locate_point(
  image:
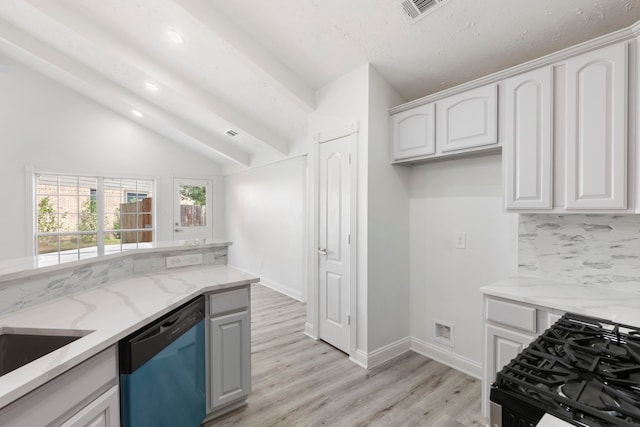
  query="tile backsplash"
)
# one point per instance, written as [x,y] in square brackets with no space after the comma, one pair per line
[602,250]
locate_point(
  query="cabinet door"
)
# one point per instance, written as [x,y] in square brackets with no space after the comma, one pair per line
[230,358]
[467,120]
[501,346]
[528,141]
[414,132]
[102,412]
[596,129]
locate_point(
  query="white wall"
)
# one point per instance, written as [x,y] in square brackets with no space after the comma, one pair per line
[446,197]
[388,224]
[50,128]
[266,221]
[340,104]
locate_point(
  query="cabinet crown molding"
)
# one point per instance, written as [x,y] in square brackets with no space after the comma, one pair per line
[624,34]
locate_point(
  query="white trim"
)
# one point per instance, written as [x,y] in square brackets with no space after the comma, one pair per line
[330,135]
[360,358]
[31,209]
[388,352]
[279,287]
[308,331]
[624,34]
[447,357]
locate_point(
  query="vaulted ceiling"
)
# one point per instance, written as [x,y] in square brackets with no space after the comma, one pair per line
[254,66]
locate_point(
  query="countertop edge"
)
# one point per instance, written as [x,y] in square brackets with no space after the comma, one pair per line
[71,356]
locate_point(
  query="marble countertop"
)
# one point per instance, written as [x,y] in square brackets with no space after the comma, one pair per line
[24,267]
[612,304]
[111,313]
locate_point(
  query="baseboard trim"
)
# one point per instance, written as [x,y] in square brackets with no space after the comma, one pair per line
[283,289]
[277,286]
[388,352]
[308,331]
[360,358]
[447,357]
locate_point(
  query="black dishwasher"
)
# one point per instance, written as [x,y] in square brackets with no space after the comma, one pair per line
[162,370]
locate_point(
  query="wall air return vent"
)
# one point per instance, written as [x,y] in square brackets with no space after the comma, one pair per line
[418,8]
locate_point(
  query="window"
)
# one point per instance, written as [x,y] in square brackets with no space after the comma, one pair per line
[80,216]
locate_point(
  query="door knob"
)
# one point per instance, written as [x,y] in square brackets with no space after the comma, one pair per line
[322,251]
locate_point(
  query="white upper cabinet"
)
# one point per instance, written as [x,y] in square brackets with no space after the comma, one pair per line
[467,120]
[414,132]
[527,154]
[596,167]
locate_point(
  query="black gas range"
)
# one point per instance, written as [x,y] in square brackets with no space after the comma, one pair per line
[583,370]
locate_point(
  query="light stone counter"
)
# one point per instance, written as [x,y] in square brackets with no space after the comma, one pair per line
[607,303]
[111,312]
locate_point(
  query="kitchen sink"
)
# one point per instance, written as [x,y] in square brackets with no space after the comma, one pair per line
[19,347]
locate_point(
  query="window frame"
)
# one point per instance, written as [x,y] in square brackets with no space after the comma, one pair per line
[97,194]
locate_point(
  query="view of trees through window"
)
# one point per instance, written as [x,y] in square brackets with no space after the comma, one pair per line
[80,217]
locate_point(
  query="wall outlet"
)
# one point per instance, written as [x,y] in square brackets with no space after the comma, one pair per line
[184,260]
[460,240]
[444,332]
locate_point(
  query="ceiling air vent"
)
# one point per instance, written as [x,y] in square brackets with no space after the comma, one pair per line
[231,132]
[417,8]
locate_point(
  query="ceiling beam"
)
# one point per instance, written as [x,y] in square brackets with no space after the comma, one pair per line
[117,49]
[25,48]
[254,53]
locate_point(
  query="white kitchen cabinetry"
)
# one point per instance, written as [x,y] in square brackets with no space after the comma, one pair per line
[102,412]
[597,129]
[230,350]
[528,149]
[467,120]
[450,127]
[509,327]
[86,395]
[566,144]
[414,133]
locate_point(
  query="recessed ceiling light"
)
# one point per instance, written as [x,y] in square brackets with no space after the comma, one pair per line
[175,36]
[136,113]
[151,87]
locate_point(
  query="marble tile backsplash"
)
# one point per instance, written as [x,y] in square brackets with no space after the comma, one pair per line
[24,292]
[602,250]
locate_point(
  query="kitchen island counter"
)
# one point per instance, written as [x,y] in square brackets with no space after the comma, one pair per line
[109,313]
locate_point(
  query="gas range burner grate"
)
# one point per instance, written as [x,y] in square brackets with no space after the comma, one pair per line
[584,370]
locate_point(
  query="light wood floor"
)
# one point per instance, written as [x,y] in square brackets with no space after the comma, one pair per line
[297,381]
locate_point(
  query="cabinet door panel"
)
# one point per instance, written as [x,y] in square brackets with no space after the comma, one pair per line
[414,132]
[467,120]
[230,358]
[596,129]
[528,143]
[102,412]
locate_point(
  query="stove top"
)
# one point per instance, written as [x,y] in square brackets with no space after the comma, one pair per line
[583,370]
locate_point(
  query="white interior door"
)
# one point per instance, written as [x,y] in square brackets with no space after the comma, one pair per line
[334,267]
[192,209]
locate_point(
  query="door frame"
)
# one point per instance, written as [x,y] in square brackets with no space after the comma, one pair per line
[313,312]
[210,203]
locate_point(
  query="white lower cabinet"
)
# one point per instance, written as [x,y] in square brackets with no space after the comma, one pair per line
[75,398]
[229,350]
[102,412]
[509,327]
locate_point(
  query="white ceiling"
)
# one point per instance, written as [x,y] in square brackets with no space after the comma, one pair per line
[254,66]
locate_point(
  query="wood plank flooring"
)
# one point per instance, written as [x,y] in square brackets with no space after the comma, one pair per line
[297,381]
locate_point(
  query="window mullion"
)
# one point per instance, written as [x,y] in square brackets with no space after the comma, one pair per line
[100,216]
